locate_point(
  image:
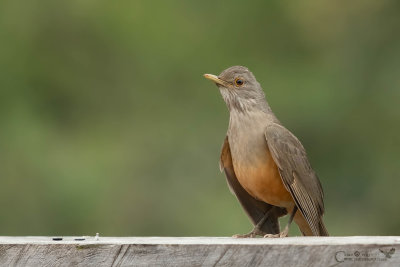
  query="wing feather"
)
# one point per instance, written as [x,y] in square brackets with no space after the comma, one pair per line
[297,175]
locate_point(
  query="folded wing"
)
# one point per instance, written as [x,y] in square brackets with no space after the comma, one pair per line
[297,175]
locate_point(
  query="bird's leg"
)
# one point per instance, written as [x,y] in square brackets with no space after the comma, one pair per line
[256,230]
[285,232]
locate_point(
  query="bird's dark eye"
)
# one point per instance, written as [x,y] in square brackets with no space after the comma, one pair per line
[239,81]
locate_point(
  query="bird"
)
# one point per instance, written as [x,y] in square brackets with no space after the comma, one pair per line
[265,165]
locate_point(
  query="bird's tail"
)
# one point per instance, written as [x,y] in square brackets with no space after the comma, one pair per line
[322,229]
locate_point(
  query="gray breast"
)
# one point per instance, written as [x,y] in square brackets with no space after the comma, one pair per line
[246,136]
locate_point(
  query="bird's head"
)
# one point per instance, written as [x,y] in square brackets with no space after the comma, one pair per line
[240,89]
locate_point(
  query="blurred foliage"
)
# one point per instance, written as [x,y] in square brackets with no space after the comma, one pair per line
[107,124]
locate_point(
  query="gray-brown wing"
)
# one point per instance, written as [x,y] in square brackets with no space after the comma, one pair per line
[297,175]
[254,208]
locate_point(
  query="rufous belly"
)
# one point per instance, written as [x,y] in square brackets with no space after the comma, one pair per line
[262,180]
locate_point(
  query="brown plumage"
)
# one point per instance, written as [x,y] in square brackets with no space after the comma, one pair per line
[265,164]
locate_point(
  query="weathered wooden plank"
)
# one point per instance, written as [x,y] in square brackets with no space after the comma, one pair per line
[200,251]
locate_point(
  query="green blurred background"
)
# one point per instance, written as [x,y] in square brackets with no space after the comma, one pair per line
[107,124]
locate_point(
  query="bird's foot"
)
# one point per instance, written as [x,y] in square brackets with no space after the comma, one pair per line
[248,235]
[272,236]
[284,233]
[254,233]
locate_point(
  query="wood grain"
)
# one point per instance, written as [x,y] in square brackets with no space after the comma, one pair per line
[201,251]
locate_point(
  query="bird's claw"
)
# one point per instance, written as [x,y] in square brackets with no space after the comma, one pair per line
[280,235]
[254,233]
[249,235]
[284,233]
[272,236]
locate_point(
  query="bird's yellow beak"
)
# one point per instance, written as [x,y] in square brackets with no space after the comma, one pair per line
[215,79]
